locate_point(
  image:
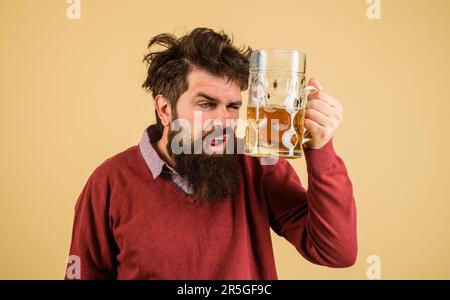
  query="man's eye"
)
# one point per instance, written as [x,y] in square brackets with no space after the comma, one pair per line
[234,106]
[206,105]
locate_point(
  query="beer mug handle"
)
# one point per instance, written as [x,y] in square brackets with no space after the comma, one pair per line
[306,135]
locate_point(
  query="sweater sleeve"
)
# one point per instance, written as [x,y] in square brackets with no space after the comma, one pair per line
[92,247]
[321,221]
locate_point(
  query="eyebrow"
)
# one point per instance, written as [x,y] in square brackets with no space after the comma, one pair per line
[210,98]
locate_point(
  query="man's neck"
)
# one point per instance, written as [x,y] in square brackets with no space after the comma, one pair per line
[161,148]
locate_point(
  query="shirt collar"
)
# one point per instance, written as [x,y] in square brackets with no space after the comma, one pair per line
[151,157]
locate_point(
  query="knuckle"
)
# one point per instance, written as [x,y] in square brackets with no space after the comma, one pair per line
[311,103]
[319,95]
[309,112]
[308,124]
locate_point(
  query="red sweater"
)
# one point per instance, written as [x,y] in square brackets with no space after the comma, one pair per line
[129,225]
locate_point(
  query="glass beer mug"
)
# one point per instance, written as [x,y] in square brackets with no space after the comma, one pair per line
[276,104]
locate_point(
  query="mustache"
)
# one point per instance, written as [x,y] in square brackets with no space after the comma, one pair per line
[218,132]
[181,141]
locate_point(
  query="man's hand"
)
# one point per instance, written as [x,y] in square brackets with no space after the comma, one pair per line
[323,116]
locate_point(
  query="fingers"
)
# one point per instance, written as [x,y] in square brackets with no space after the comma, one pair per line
[321,95]
[323,114]
[318,117]
[323,107]
[315,83]
[326,98]
[313,127]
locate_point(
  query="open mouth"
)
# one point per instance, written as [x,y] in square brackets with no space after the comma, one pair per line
[219,140]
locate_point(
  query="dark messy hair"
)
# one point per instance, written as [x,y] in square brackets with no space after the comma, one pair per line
[202,48]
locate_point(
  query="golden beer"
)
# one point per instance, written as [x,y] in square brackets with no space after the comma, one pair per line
[273,131]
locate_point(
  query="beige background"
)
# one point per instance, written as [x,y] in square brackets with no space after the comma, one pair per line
[70,97]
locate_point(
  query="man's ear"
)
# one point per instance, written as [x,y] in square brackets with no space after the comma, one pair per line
[163,109]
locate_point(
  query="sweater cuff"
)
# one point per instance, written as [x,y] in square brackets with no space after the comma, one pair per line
[320,159]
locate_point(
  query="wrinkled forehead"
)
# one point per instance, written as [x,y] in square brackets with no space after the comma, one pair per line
[220,88]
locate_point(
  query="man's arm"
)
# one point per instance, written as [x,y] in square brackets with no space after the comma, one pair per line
[321,221]
[92,240]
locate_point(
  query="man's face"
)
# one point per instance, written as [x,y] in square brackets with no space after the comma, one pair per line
[213,173]
[216,100]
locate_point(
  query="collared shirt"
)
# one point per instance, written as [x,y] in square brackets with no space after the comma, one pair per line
[157,166]
[131,222]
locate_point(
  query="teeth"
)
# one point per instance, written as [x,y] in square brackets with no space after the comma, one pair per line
[219,140]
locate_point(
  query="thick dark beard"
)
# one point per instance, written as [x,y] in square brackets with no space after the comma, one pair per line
[211,177]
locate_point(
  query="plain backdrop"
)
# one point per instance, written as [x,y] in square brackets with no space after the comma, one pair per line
[70,97]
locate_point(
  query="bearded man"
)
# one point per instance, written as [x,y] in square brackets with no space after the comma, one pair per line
[178,206]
